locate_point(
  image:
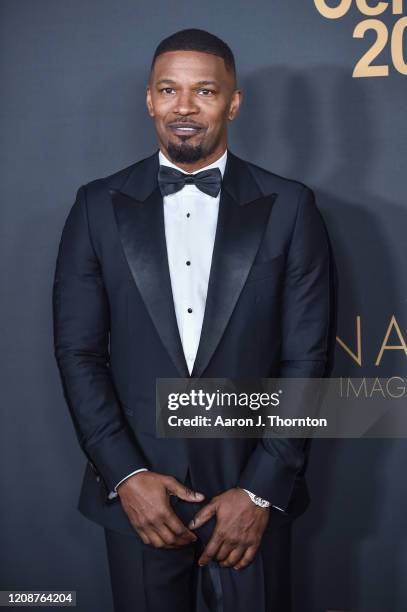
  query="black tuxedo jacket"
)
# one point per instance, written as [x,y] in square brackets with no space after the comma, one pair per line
[270,311]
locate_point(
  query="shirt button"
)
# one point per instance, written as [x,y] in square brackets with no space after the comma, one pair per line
[188,214]
[189,309]
[188,263]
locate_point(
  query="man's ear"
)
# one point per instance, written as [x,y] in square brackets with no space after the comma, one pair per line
[149,103]
[235,104]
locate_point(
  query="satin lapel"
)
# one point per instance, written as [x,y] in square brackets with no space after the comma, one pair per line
[238,235]
[142,233]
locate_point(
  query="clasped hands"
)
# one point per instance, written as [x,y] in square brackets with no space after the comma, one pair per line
[240,524]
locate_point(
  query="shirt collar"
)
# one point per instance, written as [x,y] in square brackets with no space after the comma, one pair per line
[218,163]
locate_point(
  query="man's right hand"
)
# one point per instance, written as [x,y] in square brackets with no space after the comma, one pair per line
[145,500]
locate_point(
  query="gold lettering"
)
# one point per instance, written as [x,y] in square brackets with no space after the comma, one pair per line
[358,356]
[364,68]
[397,45]
[392,347]
[397,7]
[371,10]
[333,12]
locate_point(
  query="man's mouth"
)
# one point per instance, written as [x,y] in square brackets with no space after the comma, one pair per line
[185,129]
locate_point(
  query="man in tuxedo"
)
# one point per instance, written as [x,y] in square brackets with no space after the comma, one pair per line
[190,263]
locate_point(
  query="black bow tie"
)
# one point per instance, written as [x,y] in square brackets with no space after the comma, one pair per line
[172,180]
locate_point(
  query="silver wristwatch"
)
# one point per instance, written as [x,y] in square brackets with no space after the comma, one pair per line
[263,503]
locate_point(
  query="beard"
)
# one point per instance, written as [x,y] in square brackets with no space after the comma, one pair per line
[185,153]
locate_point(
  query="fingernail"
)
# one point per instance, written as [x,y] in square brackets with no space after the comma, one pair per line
[199,495]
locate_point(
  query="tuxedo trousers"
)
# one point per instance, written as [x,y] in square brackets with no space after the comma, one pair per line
[148,579]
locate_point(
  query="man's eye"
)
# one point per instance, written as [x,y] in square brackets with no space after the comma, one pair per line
[167,89]
[207,91]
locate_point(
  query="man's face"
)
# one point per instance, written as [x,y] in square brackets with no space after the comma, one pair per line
[192,96]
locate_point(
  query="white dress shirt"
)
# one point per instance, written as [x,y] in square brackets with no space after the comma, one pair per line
[190,219]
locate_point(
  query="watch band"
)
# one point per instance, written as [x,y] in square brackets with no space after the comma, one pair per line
[257,500]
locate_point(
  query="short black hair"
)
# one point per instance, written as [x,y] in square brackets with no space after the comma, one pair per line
[194,39]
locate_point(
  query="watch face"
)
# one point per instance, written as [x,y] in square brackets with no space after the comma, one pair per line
[260,502]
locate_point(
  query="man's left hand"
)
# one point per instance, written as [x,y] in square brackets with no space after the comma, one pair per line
[240,525]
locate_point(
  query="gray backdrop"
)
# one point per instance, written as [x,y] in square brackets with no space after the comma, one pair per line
[73,78]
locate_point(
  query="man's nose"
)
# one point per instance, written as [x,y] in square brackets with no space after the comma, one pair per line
[186,104]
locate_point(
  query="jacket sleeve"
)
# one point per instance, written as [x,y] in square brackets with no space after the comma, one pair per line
[307,319]
[81,341]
